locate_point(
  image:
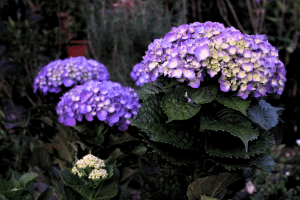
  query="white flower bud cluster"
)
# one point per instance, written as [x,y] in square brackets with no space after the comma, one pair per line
[92,162]
[98,173]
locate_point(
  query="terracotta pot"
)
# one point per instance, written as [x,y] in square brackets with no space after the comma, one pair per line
[78,48]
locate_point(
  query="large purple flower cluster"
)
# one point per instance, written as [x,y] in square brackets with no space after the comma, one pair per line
[138,74]
[107,100]
[247,63]
[68,72]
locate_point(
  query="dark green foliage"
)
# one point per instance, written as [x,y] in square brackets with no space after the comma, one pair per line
[106,190]
[176,106]
[202,186]
[163,186]
[230,137]
[17,186]
[263,114]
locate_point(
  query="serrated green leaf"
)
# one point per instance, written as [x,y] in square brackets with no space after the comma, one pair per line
[70,179]
[234,102]
[152,120]
[46,194]
[225,145]
[264,162]
[173,154]
[212,186]
[202,95]
[155,87]
[176,106]
[243,130]
[27,179]
[165,165]
[263,114]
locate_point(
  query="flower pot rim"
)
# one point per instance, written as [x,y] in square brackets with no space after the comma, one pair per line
[79,42]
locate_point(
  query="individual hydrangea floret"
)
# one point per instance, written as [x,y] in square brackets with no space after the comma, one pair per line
[68,72]
[90,161]
[138,74]
[248,64]
[108,101]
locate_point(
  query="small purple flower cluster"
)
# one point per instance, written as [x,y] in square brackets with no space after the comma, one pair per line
[70,71]
[138,74]
[247,63]
[107,100]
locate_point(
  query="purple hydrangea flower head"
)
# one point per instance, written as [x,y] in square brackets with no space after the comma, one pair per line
[248,64]
[138,74]
[68,72]
[108,101]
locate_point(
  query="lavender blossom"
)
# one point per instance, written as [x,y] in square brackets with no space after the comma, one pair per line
[107,100]
[248,64]
[68,72]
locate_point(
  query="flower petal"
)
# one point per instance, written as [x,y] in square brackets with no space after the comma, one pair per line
[202,52]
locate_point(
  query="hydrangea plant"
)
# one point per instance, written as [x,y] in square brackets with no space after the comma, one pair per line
[109,101]
[215,134]
[68,72]
[91,178]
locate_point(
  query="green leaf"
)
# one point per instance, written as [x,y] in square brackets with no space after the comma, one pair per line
[173,82]
[2,197]
[80,128]
[98,140]
[70,194]
[243,130]
[101,128]
[27,179]
[46,120]
[114,155]
[203,197]
[166,165]
[202,95]
[11,188]
[263,114]
[224,145]
[176,105]
[173,154]
[234,102]
[12,173]
[152,120]
[139,150]
[264,162]
[11,22]
[212,186]
[46,194]
[152,88]
[70,179]
[25,196]
[126,137]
